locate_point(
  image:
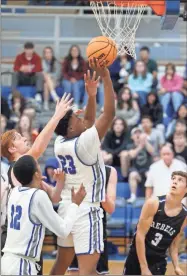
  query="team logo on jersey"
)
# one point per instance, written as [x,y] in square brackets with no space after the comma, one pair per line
[163,227]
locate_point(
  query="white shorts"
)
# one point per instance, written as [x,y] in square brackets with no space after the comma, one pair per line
[12,264]
[87,233]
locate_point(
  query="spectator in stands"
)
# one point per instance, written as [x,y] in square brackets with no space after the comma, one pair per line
[184,90]
[180,128]
[140,154]
[180,115]
[127,107]
[140,82]
[25,129]
[150,63]
[180,146]
[28,70]
[115,142]
[120,70]
[50,165]
[171,88]
[18,105]
[3,125]
[5,110]
[159,175]
[154,136]
[52,73]
[74,67]
[153,108]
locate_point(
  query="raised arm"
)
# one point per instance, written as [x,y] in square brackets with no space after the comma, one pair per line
[54,193]
[91,85]
[174,251]
[45,135]
[146,218]
[106,118]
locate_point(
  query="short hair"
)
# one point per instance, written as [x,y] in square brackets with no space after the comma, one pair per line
[62,127]
[147,117]
[24,169]
[7,139]
[180,173]
[145,48]
[29,45]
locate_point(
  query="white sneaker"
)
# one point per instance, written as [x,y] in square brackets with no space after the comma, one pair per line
[46,106]
[132,199]
[38,98]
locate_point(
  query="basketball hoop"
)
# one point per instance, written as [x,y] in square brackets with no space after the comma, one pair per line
[120,20]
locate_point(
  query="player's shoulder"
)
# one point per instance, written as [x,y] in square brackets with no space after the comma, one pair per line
[39,195]
[58,142]
[90,133]
[59,139]
[152,203]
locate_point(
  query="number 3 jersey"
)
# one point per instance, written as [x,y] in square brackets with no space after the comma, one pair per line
[162,232]
[81,160]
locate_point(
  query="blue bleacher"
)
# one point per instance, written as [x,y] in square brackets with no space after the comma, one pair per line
[26,91]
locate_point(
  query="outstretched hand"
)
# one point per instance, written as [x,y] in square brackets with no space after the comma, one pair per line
[99,67]
[63,106]
[91,83]
[59,177]
[78,197]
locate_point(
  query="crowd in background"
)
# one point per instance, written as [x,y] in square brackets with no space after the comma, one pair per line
[151,112]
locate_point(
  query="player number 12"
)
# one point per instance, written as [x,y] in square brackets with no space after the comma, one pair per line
[16,213]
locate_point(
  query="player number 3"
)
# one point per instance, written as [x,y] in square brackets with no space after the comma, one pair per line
[157,239]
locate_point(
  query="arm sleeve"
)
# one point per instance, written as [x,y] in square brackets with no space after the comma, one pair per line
[17,64]
[148,82]
[154,66]
[65,70]
[42,210]
[134,119]
[38,67]
[88,146]
[177,86]
[149,182]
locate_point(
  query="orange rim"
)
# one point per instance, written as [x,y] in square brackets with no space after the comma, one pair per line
[158,6]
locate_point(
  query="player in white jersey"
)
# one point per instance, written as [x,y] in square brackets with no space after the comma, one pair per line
[29,212]
[78,149]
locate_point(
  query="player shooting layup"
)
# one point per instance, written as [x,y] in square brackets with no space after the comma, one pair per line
[78,149]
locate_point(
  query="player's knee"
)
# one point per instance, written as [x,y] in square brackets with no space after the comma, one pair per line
[124,154]
[133,176]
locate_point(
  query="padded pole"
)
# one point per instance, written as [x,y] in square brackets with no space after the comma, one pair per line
[169,20]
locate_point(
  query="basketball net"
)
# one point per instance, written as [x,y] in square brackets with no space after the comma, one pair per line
[119,23]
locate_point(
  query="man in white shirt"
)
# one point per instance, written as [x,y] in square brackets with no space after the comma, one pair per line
[29,212]
[159,174]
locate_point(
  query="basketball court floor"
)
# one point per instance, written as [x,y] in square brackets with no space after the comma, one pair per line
[116,267]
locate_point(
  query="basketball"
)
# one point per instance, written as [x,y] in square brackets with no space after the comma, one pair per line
[102,48]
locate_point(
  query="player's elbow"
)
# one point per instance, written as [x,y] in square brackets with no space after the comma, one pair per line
[111,209]
[140,236]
